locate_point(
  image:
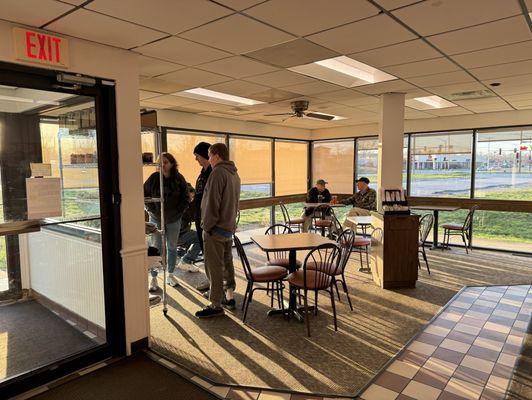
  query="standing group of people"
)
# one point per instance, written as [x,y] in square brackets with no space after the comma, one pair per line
[213,206]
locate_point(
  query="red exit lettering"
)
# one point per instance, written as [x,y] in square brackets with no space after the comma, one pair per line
[43,47]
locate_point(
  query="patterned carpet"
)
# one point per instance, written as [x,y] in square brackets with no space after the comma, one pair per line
[275,353]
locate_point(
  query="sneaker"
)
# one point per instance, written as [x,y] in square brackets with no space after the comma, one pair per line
[187,266]
[154,299]
[229,304]
[206,294]
[203,287]
[209,312]
[154,286]
[171,280]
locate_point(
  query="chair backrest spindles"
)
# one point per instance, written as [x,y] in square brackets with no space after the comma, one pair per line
[278,229]
[469,218]
[243,257]
[425,225]
[328,256]
[345,241]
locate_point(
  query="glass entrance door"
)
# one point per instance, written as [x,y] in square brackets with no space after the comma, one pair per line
[58,239]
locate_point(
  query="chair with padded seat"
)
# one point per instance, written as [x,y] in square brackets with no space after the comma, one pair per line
[269,274]
[306,279]
[463,230]
[296,223]
[279,257]
[324,220]
[425,225]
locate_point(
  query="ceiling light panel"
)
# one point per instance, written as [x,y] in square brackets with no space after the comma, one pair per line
[343,71]
[217,97]
[428,103]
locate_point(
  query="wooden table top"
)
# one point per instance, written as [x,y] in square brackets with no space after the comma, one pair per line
[323,204]
[292,241]
[360,220]
[436,208]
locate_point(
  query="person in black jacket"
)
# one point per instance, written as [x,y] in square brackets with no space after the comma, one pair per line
[175,203]
[201,152]
[318,194]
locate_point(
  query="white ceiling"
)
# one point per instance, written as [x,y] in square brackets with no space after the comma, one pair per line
[244,47]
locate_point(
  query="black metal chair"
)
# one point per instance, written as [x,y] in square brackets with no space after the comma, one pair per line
[425,225]
[321,219]
[269,274]
[291,222]
[345,241]
[306,279]
[463,230]
[281,258]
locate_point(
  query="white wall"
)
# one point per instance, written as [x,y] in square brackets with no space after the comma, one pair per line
[486,120]
[107,62]
[177,119]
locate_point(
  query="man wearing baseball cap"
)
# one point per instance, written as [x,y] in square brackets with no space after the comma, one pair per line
[363,201]
[318,194]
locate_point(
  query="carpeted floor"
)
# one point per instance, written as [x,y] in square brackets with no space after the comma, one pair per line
[135,377]
[32,336]
[272,352]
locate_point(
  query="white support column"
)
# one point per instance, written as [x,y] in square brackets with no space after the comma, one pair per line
[391,132]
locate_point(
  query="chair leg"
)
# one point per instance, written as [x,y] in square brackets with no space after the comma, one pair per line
[337,291]
[426,261]
[367,259]
[334,310]
[246,295]
[306,313]
[418,263]
[465,243]
[279,293]
[250,296]
[361,262]
[272,294]
[344,284]
[316,303]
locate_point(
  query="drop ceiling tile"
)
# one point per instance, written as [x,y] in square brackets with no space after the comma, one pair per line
[192,77]
[502,70]
[406,52]
[363,35]
[222,115]
[82,23]
[154,106]
[74,2]
[497,55]
[523,107]
[386,87]
[374,108]
[447,112]
[498,33]
[290,54]
[32,12]
[151,67]
[512,85]
[340,95]
[367,99]
[446,90]
[394,4]
[476,103]
[172,100]
[237,67]
[313,88]
[436,16]
[144,94]
[442,79]
[181,51]
[237,34]
[303,17]
[490,108]
[273,95]
[238,88]
[410,113]
[171,16]
[239,4]
[421,68]
[159,85]
[279,79]
[204,106]
[519,97]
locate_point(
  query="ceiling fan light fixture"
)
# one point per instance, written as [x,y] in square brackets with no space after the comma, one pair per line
[217,97]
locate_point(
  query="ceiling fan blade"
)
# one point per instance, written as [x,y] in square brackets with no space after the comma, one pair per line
[274,115]
[291,116]
[323,117]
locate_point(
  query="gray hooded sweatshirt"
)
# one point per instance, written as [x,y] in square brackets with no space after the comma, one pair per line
[219,206]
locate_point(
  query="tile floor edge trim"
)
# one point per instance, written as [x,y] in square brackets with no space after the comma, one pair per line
[412,339]
[156,356]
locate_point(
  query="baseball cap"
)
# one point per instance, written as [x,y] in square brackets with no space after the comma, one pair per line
[321,182]
[363,179]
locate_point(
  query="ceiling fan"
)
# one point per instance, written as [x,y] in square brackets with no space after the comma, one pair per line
[299,108]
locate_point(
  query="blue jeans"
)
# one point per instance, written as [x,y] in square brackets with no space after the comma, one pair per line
[172,238]
[187,240]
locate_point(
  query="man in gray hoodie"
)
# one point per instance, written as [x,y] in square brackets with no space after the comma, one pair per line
[219,208]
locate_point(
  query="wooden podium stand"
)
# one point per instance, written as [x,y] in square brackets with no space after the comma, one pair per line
[394,257]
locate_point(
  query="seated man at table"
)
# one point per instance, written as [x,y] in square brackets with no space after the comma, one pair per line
[363,201]
[318,194]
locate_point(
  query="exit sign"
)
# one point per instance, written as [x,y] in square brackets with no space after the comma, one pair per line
[39,47]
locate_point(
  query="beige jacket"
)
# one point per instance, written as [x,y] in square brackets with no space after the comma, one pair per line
[221,196]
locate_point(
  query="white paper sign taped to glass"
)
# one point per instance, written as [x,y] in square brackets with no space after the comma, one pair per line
[40,169]
[43,197]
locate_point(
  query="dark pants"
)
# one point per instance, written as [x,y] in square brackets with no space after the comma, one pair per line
[199,230]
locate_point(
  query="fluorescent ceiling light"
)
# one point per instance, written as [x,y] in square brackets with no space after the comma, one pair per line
[217,97]
[343,71]
[429,102]
[17,99]
[49,102]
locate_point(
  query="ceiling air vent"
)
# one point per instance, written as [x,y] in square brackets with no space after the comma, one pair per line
[469,95]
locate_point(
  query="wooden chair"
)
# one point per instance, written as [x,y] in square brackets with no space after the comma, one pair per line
[288,221]
[345,242]
[269,274]
[463,230]
[425,225]
[314,280]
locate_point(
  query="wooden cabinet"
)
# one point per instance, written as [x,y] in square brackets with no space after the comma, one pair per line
[394,253]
